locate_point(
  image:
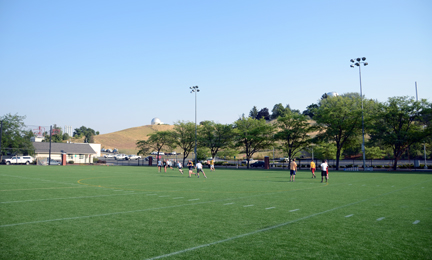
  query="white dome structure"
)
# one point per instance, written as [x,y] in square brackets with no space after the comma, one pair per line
[332,94]
[156,121]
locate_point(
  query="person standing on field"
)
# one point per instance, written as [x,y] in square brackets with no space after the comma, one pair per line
[212,168]
[312,168]
[159,165]
[180,167]
[165,165]
[199,167]
[324,167]
[293,169]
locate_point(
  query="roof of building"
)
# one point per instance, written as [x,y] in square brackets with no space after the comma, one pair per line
[68,148]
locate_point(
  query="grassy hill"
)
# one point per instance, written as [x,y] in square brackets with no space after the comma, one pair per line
[125,140]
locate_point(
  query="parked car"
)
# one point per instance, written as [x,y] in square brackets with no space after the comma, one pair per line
[155,153]
[250,161]
[132,157]
[120,156]
[19,160]
[258,164]
[108,156]
[103,150]
[54,162]
[109,150]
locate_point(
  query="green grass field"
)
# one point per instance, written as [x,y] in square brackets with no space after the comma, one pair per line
[98,212]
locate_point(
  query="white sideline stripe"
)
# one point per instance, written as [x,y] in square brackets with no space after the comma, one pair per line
[193,199]
[379,219]
[349,216]
[276,226]
[247,206]
[178,198]
[70,198]
[293,210]
[416,222]
[271,208]
[229,203]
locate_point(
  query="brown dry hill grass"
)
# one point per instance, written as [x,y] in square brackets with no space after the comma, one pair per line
[125,140]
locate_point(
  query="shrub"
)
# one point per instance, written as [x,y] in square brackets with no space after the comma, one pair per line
[378,166]
[71,162]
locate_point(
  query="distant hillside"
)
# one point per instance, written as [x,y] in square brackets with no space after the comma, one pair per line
[125,140]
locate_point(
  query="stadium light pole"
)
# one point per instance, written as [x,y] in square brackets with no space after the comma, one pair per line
[358,62]
[195,89]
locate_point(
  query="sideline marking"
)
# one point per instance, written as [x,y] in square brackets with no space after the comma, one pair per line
[271,208]
[193,199]
[276,226]
[69,198]
[247,206]
[416,222]
[349,216]
[293,210]
[178,198]
[379,219]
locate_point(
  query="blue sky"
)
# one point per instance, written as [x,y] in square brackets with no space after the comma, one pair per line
[112,65]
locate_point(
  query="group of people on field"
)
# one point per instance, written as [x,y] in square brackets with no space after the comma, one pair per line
[199,167]
[324,170]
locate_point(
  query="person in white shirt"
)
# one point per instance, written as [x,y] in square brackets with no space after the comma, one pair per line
[324,167]
[180,167]
[199,167]
[159,165]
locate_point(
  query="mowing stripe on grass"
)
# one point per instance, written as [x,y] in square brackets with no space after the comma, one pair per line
[280,225]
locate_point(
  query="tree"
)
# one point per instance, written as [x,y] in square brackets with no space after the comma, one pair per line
[15,139]
[339,119]
[293,133]
[279,110]
[325,151]
[86,132]
[155,142]
[184,137]
[214,136]
[56,135]
[263,113]
[398,124]
[254,112]
[253,135]
[309,110]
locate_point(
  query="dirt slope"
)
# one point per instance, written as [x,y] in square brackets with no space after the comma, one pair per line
[125,140]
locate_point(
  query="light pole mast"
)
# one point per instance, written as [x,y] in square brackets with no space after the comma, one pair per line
[358,64]
[195,89]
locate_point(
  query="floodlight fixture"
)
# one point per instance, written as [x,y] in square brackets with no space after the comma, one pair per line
[364,58]
[358,59]
[352,60]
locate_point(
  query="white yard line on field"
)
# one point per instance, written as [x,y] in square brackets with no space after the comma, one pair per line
[416,222]
[349,216]
[379,219]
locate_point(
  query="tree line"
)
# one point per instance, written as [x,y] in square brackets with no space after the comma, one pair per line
[332,127]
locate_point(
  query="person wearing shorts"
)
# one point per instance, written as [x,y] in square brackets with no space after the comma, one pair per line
[324,167]
[293,169]
[312,168]
[165,165]
[190,166]
[212,168]
[180,167]
[159,165]
[199,168]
